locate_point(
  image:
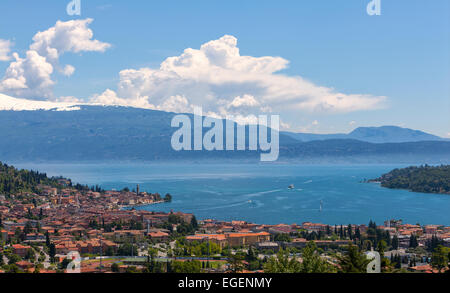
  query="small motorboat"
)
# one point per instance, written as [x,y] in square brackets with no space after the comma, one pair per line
[291,186]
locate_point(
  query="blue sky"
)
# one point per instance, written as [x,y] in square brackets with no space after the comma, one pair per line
[402,55]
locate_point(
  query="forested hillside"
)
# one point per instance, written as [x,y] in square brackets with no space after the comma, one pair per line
[428,179]
[13,181]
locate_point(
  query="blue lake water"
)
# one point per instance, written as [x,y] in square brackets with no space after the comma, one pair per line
[260,194]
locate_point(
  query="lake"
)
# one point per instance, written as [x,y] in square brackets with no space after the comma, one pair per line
[259,192]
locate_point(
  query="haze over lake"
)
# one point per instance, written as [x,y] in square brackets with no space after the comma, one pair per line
[259,192]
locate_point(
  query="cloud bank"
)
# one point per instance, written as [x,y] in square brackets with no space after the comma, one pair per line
[224,82]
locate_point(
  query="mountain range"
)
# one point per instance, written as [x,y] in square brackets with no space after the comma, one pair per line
[55,132]
[383,134]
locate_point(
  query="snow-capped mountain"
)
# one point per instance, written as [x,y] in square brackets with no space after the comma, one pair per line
[8,103]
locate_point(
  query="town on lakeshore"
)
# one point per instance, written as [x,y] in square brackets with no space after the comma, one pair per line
[44,222]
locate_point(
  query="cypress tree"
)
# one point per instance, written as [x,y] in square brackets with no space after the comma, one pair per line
[413,241]
[395,242]
[357,233]
[349,228]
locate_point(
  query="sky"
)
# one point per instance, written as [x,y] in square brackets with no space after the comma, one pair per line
[324,66]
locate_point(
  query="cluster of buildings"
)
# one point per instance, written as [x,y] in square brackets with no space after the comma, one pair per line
[424,234]
[86,221]
[94,223]
[240,233]
[106,199]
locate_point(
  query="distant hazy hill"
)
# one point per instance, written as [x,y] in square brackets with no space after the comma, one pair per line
[383,134]
[391,134]
[96,133]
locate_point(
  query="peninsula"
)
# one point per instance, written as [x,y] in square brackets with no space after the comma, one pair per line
[426,179]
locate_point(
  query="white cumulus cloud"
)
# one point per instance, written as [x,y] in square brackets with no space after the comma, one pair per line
[30,77]
[5,49]
[244,101]
[222,81]
[71,36]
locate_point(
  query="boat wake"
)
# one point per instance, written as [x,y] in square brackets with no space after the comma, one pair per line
[241,203]
[256,194]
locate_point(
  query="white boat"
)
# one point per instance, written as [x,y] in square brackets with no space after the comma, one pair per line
[291,186]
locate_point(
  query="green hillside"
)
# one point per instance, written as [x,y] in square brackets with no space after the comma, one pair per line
[426,179]
[13,181]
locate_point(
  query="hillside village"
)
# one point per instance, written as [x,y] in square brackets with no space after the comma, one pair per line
[43,222]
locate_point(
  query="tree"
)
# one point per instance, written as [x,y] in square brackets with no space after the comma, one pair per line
[47,239]
[28,228]
[350,234]
[152,253]
[367,245]
[13,258]
[396,261]
[357,233]
[115,268]
[353,261]
[282,263]
[194,222]
[109,251]
[312,262]
[30,255]
[127,249]
[186,267]
[168,197]
[251,255]
[131,270]
[52,251]
[439,260]
[63,265]
[12,269]
[434,243]
[282,237]
[381,247]
[236,263]
[413,243]
[395,242]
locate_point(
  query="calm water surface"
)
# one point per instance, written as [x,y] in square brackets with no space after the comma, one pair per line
[260,194]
